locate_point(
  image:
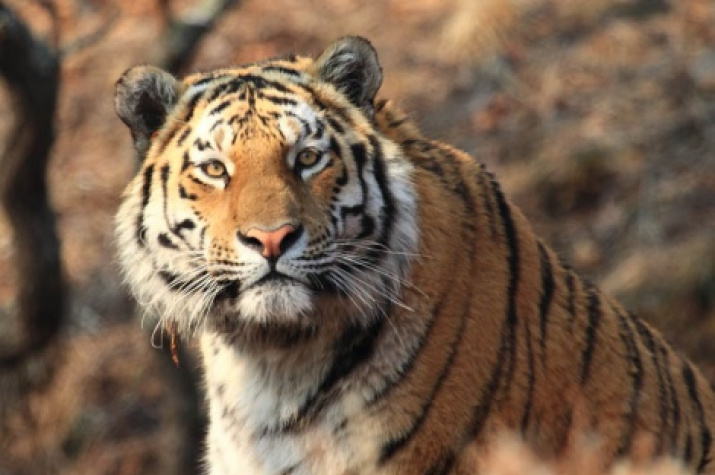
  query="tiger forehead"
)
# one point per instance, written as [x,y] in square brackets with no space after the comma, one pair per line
[245,102]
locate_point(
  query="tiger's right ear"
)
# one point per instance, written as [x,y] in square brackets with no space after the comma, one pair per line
[143,98]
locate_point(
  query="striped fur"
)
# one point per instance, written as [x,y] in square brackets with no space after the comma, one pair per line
[412,318]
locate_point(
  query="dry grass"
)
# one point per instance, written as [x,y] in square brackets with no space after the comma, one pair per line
[511,457]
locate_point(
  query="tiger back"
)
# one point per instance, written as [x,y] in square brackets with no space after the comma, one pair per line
[367,300]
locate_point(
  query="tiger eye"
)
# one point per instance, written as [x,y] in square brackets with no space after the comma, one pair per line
[308,157]
[214,169]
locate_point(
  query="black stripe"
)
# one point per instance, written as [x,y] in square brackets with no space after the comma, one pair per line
[547,292]
[571,299]
[260,82]
[203,81]
[283,70]
[197,181]
[202,144]
[171,280]
[337,126]
[512,250]
[665,353]
[185,224]
[594,320]
[225,88]
[186,195]
[443,465]
[281,101]
[290,470]
[409,363]
[221,106]
[393,445]
[164,241]
[343,179]
[146,195]
[387,211]
[635,370]
[342,113]
[354,348]
[483,407]
[530,381]
[688,450]
[430,165]
[185,161]
[191,107]
[184,135]
[649,343]
[214,126]
[482,178]
[705,436]
[359,153]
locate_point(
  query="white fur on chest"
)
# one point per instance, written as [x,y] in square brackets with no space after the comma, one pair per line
[246,396]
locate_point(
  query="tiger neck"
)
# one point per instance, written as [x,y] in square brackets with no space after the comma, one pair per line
[277,389]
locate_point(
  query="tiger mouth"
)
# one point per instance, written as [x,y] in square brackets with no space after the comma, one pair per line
[274,278]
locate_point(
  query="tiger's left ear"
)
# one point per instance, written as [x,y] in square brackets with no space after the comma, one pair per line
[143,98]
[350,64]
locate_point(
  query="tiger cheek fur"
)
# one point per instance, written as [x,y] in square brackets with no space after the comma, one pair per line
[367,299]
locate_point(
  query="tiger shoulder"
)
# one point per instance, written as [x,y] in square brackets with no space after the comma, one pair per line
[367,299]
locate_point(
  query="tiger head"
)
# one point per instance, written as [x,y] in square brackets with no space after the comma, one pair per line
[267,200]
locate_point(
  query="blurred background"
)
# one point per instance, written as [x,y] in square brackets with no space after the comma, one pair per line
[598,118]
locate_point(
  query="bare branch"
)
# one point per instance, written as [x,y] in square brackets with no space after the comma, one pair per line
[184,35]
[31,72]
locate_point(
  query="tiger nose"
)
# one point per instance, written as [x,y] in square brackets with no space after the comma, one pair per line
[271,244]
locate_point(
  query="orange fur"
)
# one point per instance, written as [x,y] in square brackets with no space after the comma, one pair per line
[436,321]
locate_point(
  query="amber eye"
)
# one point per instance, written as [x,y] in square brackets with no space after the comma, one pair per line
[213,169]
[307,157]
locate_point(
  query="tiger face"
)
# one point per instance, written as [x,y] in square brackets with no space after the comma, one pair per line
[265,200]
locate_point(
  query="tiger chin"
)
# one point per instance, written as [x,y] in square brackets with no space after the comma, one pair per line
[367,299]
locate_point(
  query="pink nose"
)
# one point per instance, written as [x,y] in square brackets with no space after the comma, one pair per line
[271,244]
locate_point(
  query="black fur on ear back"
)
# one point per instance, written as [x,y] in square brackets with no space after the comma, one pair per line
[350,64]
[144,96]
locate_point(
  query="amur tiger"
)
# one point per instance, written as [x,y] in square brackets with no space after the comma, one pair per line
[367,300]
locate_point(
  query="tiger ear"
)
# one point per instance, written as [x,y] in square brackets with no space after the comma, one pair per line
[350,64]
[143,97]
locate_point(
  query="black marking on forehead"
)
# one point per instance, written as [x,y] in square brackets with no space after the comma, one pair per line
[208,79]
[259,82]
[191,107]
[223,105]
[224,89]
[280,101]
[184,135]
[202,145]
[216,124]
[283,70]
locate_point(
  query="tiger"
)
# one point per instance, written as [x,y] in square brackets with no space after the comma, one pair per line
[367,300]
